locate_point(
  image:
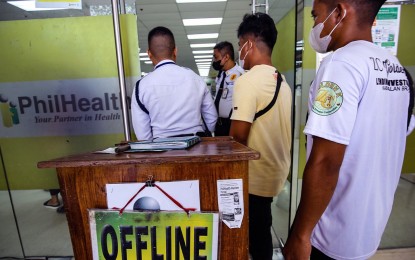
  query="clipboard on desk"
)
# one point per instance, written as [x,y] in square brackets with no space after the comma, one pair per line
[163,144]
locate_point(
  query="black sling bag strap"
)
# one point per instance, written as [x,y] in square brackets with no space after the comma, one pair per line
[138,99]
[274,99]
[141,105]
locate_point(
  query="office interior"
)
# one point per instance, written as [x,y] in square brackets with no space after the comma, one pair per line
[49,52]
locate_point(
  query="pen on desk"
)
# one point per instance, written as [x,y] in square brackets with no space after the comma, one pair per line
[122,148]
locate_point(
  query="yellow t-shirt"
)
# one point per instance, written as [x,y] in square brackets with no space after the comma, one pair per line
[270,134]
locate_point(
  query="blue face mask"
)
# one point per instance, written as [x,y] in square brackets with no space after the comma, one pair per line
[320,45]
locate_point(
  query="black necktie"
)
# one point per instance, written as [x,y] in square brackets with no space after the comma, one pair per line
[220,90]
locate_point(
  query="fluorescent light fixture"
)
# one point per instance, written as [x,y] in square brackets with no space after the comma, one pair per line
[198,1]
[203,63]
[202,21]
[203,52]
[202,45]
[148,62]
[143,54]
[203,60]
[202,56]
[203,72]
[144,58]
[203,36]
[203,67]
[30,6]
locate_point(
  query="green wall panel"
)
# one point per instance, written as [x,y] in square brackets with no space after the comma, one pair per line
[66,48]
[406,41]
[283,52]
[21,155]
[59,49]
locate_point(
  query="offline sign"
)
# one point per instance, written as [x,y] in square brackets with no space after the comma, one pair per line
[154,235]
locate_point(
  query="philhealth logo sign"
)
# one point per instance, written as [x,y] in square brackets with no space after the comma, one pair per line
[9,112]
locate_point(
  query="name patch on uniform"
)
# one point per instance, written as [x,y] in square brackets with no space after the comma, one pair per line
[328,100]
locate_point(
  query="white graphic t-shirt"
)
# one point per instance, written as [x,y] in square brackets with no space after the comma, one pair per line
[360,99]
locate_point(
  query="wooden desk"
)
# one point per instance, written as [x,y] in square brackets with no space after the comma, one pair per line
[83,177]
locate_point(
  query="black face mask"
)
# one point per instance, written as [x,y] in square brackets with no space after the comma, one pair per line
[216,65]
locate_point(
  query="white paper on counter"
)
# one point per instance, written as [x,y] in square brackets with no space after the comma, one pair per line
[231,202]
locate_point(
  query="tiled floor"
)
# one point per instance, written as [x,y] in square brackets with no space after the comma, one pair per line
[45,232]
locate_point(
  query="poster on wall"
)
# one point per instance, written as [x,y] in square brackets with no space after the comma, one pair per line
[385,29]
[68,4]
[154,235]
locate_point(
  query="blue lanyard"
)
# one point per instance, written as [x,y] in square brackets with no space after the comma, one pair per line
[158,66]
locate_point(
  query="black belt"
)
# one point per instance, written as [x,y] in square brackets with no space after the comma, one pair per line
[200,134]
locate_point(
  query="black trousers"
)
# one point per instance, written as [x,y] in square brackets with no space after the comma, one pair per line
[223,125]
[260,221]
[54,192]
[318,255]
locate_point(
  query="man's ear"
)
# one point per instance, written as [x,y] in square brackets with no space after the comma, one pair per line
[341,11]
[175,53]
[150,55]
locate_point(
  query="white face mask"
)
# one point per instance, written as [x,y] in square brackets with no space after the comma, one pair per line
[320,45]
[242,61]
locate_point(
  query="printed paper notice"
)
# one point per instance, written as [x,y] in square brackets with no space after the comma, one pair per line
[231,202]
[385,29]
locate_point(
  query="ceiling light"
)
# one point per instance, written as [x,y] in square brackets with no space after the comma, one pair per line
[203,36]
[203,72]
[203,60]
[202,21]
[202,45]
[148,62]
[202,63]
[202,52]
[198,1]
[30,6]
[144,58]
[142,54]
[202,56]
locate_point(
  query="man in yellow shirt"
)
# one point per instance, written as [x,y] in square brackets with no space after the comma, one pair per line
[261,119]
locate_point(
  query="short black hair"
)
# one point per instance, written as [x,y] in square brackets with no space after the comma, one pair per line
[225,48]
[162,48]
[368,9]
[261,26]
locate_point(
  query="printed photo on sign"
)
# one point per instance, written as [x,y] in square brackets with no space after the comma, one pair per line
[151,198]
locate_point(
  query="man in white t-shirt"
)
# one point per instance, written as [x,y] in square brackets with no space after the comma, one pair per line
[356,134]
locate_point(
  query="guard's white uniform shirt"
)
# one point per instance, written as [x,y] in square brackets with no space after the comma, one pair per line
[360,99]
[176,98]
[225,103]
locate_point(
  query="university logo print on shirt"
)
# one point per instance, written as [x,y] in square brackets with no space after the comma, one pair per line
[328,100]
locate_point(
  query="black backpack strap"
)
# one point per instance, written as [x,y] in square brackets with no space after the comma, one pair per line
[274,99]
[138,99]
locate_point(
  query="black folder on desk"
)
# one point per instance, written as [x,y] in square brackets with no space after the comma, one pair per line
[164,144]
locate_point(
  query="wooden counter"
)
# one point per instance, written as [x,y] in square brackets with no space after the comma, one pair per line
[83,177]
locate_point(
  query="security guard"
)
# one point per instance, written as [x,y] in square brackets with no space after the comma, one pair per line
[229,71]
[171,100]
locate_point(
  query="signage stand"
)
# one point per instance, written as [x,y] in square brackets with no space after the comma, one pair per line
[82,180]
